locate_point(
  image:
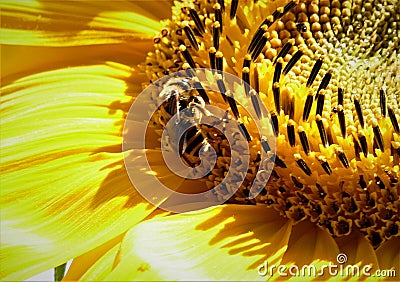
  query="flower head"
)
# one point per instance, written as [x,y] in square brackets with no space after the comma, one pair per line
[328,73]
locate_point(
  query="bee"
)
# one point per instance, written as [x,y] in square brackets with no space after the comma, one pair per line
[301,27]
[179,94]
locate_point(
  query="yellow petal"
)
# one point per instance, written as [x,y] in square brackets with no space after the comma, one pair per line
[221,243]
[73,23]
[18,61]
[389,257]
[64,189]
[95,264]
[358,250]
[310,248]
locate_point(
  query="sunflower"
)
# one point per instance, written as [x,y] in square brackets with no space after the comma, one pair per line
[326,70]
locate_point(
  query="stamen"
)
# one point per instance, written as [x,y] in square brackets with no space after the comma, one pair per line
[277,93]
[363,141]
[302,164]
[187,56]
[265,145]
[234,5]
[218,15]
[382,100]
[314,72]
[342,157]
[322,132]
[393,119]
[378,136]
[297,183]
[279,162]
[340,96]
[290,132]
[256,105]
[325,165]
[232,104]
[359,112]
[197,21]
[247,61]
[277,71]
[259,46]
[211,54]
[246,79]
[222,3]
[219,61]
[293,60]
[244,131]
[285,49]
[304,140]
[275,125]
[324,83]
[222,88]
[258,36]
[216,28]
[342,121]
[201,91]
[191,37]
[320,104]
[307,106]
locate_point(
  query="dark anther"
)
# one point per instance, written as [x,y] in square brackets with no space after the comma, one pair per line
[321,191]
[304,141]
[222,3]
[222,88]
[324,83]
[201,91]
[379,182]
[277,93]
[216,29]
[314,72]
[364,145]
[393,119]
[362,182]
[197,21]
[327,168]
[291,135]
[256,105]
[322,132]
[307,106]
[275,125]
[343,159]
[279,162]
[284,51]
[293,60]
[382,100]
[219,62]
[359,112]
[244,131]
[378,137]
[187,56]
[304,167]
[211,54]
[259,46]
[218,16]
[265,145]
[320,104]
[277,73]
[191,37]
[246,80]
[340,96]
[281,189]
[296,183]
[342,121]
[234,5]
[232,104]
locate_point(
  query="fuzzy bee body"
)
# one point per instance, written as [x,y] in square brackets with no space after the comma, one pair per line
[179,94]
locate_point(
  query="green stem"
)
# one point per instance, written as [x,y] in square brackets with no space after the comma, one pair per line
[59,272]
